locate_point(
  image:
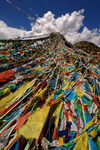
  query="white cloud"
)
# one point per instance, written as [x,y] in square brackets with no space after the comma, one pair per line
[9,32]
[2,24]
[22,28]
[68,25]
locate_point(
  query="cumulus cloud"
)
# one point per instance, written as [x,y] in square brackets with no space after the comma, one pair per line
[9,32]
[69,25]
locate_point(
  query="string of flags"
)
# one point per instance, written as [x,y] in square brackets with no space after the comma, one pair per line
[49,98]
[32,18]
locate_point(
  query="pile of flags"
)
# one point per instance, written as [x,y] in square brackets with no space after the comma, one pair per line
[49,98]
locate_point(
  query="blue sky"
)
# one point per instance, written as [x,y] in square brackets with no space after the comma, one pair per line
[87,21]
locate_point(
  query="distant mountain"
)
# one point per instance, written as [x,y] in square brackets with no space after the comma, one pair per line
[88,47]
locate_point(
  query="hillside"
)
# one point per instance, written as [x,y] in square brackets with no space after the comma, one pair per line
[87,46]
[49,92]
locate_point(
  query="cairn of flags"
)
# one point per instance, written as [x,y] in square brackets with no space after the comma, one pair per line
[49,96]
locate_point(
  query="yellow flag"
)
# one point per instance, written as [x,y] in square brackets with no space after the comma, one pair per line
[57,112]
[61,140]
[39,68]
[66,86]
[35,123]
[6,90]
[71,84]
[82,143]
[49,98]
[79,91]
[7,100]
[93,134]
[91,123]
[60,96]
[41,92]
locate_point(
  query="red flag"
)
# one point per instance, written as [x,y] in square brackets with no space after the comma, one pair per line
[55,133]
[85,107]
[96,100]
[79,102]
